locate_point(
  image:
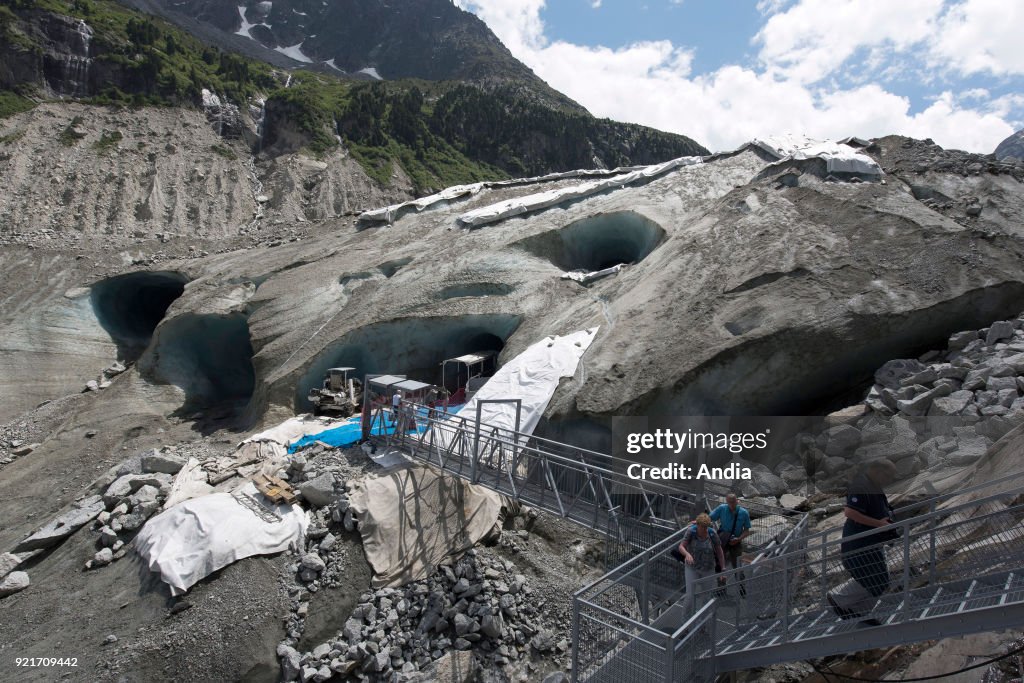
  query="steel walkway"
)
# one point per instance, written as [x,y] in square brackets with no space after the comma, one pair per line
[587,487]
[782,613]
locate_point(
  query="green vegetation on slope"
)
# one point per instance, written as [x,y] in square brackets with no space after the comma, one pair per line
[381,126]
[143,60]
[448,133]
[13,103]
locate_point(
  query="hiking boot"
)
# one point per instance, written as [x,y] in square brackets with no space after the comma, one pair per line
[841,612]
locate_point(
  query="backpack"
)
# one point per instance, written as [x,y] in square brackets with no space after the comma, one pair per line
[678,556]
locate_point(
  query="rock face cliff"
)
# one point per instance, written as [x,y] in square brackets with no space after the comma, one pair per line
[1011,148]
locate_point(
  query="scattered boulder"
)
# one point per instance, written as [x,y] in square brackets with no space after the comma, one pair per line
[890,374]
[790,501]
[841,439]
[128,484]
[102,558]
[63,526]
[320,492]
[291,662]
[24,450]
[954,404]
[157,462]
[1000,330]
[8,563]
[13,583]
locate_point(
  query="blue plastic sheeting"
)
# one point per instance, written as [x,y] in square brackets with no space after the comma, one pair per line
[351,433]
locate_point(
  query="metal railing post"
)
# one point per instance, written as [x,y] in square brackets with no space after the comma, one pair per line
[476,444]
[906,565]
[931,549]
[575,640]
[713,636]
[645,596]
[670,658]
[785,595]
[824,569]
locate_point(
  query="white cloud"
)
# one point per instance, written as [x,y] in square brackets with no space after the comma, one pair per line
[768,7]
[793,90]
[814,37]
[596,4]
[979,36]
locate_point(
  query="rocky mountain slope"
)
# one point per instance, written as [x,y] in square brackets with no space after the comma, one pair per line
[1012,147]
[491,119]
[426,39]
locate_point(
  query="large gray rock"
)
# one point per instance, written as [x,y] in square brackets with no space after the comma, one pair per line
[320,492]
[968,450]
[893,372]
[960,340]
[291,662]
[8,563]
[126,485]
[14,583]
[951,405]
[157,462]
[313,562]
[63,526]
[841,439]
[765,483]
[999,331]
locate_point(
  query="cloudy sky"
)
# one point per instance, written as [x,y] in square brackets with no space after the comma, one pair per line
[724,72]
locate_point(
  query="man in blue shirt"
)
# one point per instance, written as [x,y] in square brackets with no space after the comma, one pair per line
[733,526]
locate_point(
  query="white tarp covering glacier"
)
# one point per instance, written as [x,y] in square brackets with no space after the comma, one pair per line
[543,200]
[387,214]
[532,377]
[839,157]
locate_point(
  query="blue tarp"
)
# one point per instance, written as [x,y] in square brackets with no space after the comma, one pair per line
[351,433]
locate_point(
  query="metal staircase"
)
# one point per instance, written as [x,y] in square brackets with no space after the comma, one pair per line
[957,568]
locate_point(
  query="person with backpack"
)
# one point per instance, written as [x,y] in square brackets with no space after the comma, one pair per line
[700,548]
[867,509]
[733,526]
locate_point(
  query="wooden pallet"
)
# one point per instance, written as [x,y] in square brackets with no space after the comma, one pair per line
[276,490]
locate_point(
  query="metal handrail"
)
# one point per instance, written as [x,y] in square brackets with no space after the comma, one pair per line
[600,464]
[936,512]
[786,584]
[867,535]
[924,559]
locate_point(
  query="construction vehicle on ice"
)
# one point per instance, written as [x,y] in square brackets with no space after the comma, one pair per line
[340,394]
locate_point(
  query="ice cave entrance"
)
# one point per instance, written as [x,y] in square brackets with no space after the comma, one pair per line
[598,242]
[129,307]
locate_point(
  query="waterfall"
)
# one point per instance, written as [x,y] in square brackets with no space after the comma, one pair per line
[75,62]
[256,185]
[261,122]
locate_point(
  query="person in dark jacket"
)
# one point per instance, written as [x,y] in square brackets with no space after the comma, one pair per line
[867,508]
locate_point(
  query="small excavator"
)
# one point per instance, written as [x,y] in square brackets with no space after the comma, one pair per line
[340,395]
